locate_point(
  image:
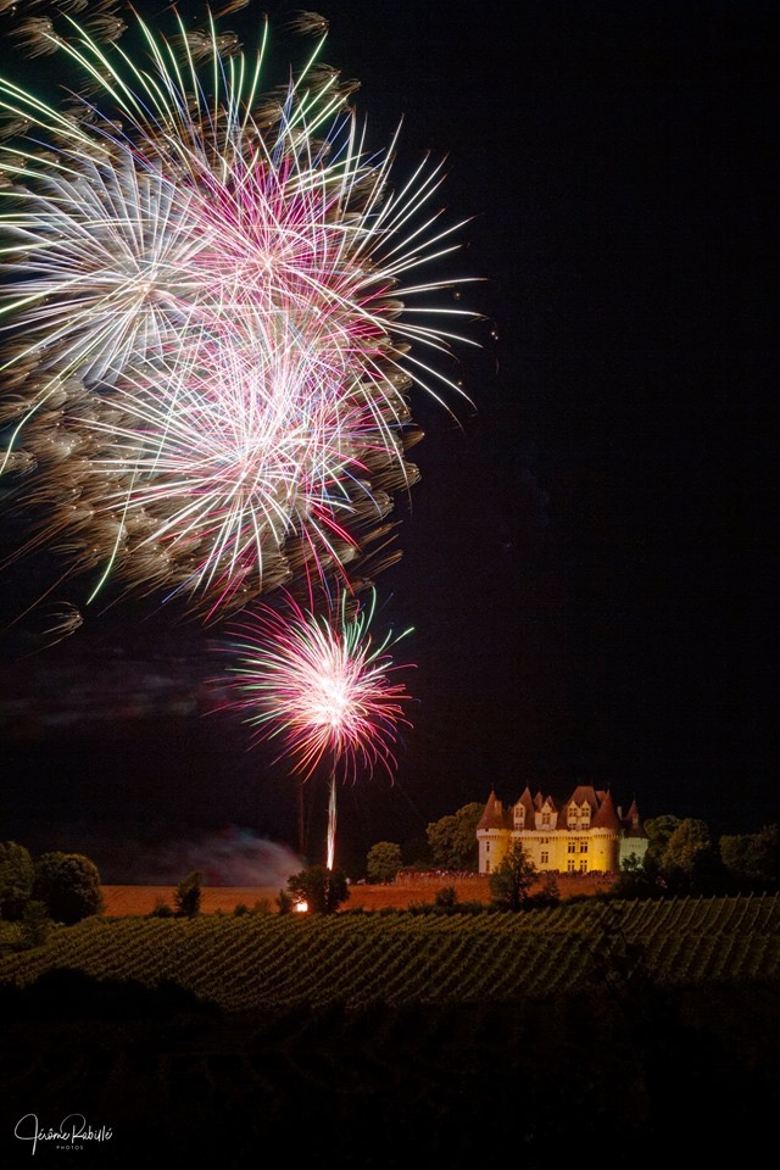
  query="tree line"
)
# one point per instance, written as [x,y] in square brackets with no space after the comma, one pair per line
[683,856]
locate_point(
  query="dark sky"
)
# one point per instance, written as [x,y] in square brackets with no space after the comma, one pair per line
[590,562]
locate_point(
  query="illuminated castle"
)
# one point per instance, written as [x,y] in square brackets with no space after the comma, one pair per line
[585,833]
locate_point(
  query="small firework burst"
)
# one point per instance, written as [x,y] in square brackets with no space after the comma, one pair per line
[320,683]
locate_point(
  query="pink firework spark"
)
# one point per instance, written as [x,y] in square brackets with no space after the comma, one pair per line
[322,684]
[210,328]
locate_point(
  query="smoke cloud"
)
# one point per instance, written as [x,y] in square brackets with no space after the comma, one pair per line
[231,857]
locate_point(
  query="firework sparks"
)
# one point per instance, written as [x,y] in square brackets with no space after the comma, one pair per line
[324,687]
[209,341]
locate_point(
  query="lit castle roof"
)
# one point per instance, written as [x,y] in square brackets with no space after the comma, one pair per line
[603,813]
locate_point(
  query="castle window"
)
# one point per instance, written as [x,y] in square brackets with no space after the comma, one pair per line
[545,857]
[487,846]
[572,847]
[545,820]
[583,846]
[487,866]
[583,867]
[571,865]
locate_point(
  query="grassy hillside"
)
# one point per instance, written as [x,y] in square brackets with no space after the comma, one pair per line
[270,961]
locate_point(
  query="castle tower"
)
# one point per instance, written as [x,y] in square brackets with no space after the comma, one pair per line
[633,842]
[493,834]
[604,836]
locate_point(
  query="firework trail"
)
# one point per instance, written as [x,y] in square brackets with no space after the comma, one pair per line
[324,687]
[209,320]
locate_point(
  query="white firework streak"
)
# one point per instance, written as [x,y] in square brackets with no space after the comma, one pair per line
[208,333]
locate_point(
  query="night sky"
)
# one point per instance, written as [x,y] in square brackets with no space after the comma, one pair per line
[590,559]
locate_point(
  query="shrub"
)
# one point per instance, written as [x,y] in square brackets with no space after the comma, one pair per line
[240,910]
[444,909]
[69,886]
[639,878]
[446,897]
[161,909]
[548,895]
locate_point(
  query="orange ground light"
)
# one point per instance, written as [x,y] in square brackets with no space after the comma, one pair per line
[127,900]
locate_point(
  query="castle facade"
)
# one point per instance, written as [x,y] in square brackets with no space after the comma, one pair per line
[583,834]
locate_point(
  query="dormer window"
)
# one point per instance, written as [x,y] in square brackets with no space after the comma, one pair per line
[545,820]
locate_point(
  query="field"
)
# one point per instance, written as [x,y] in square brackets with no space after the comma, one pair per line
[373,1041]
[270,961]
[122,900]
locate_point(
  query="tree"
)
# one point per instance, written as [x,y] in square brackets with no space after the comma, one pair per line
[510,883]
[17,875]
[690,862]
[659,830]
[753,858]
[383,861]
[453,839]
[321,888]
[284,902]
[689,840]
[69,886]
[35,925]
[188,895]
[416,852]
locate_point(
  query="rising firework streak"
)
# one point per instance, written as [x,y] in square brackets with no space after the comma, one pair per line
[323,687]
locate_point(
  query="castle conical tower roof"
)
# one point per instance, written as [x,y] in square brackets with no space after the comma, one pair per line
[494,816]
[606,817]
[632,822]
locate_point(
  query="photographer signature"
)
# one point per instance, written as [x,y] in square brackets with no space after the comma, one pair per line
[70,1133]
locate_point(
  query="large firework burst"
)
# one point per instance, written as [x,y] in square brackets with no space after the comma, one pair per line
[209,340]
[323,686]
